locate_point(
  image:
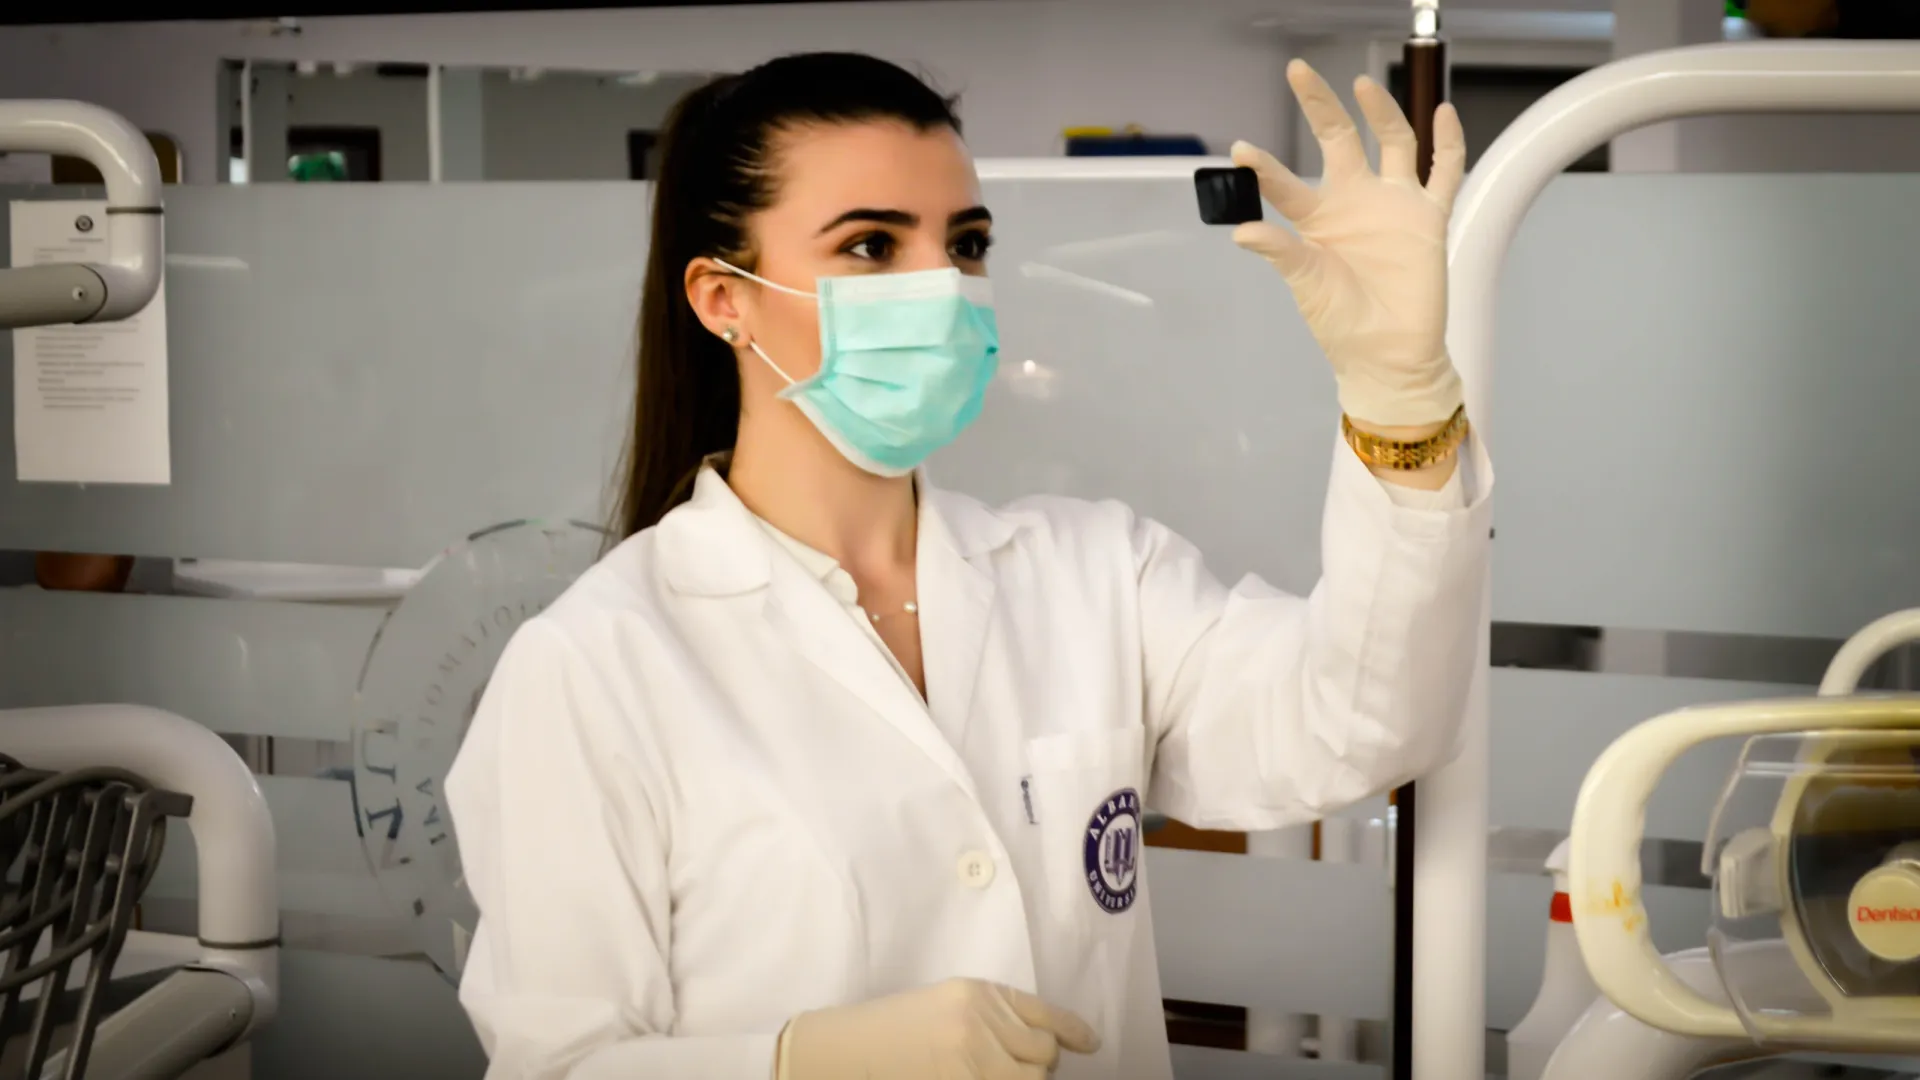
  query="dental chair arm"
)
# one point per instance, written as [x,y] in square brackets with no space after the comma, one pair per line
[1609,818]
[233,835]
[192,1016]
[88,292]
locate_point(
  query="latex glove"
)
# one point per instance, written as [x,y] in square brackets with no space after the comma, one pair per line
[1367,259]
[961,1029]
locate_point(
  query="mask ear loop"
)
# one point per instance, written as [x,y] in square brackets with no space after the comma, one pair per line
[762,354]
[754,345]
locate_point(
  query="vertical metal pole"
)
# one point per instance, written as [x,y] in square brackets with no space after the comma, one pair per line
[436,133]
[247,144]
[1424,58]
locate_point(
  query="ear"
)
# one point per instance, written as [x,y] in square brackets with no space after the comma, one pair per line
[714,294]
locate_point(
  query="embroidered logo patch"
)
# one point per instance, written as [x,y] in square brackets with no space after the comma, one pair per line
[1111,850]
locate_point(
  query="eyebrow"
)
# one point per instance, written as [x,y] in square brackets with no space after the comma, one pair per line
[901,218]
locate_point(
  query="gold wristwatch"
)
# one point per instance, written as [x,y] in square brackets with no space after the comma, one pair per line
[1379,452]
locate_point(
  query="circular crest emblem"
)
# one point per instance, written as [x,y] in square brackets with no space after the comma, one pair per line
[418,690]
[83,223]
[1111,850]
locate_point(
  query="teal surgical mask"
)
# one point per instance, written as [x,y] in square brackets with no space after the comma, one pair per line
[904,363]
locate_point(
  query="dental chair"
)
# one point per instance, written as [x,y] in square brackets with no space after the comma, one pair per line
[86,796]
[1814,854]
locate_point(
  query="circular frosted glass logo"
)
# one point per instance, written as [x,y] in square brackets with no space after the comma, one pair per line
[423,679]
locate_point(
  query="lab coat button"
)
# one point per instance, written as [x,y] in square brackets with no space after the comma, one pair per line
[976,869]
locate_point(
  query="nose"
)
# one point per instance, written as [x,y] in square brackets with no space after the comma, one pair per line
[929,251]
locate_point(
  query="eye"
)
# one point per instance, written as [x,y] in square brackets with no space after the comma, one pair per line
[972,246]
[874,247]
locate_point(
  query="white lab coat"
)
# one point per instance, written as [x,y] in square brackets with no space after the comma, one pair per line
[698,798]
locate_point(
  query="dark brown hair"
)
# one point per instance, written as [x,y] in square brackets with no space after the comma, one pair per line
[716,171]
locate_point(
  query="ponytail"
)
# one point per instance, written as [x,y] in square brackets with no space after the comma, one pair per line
[687,392]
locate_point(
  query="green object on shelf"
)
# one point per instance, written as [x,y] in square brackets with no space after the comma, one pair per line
[327,165]
[1736,9]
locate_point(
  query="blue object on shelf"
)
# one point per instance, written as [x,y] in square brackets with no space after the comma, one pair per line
[1136,146]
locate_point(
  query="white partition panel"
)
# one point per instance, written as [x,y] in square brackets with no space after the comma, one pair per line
[1709,387]
[1549,726]
[239,667]
[427,363]
[1289,935]
[1147,358]
[363,374]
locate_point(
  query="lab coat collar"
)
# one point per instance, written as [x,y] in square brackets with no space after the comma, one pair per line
[965,526]
[712,545]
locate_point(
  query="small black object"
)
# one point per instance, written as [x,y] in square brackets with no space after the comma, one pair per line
[1227,196]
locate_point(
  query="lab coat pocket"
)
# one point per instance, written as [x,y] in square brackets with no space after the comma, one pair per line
[1087,812]
[1085,787]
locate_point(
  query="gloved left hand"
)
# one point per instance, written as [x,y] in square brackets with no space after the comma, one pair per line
[1368,265]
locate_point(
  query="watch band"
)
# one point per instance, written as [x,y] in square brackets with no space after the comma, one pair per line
[1397,455]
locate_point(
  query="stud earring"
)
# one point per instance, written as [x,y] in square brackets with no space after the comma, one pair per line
[730,335]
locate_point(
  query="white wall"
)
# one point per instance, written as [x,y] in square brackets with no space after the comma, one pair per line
[1026,68]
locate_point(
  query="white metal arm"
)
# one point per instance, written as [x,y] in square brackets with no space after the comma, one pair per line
[233,836]
[1449,994]
[1875,640]
[127,280]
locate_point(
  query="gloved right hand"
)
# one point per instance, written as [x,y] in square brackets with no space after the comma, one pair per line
[961,1029]
[1367,255]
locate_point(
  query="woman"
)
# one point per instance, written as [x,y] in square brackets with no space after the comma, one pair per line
[825,773]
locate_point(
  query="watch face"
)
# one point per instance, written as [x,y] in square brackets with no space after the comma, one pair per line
[422,680]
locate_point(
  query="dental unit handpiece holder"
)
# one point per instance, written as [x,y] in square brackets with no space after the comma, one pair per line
[127,279]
